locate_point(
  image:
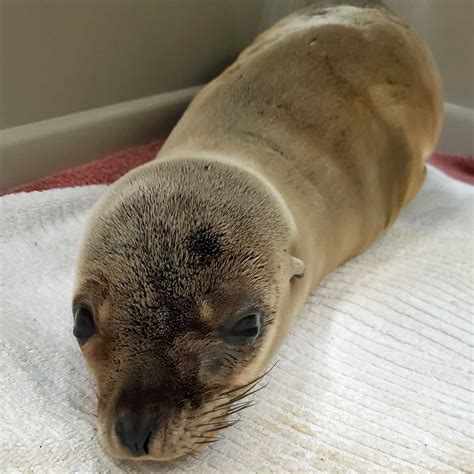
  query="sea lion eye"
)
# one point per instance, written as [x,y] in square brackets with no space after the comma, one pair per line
[247,329]
[83,324]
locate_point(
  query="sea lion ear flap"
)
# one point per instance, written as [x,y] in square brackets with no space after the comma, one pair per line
[298,267]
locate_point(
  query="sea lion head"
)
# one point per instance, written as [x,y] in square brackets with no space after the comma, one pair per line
[181,277]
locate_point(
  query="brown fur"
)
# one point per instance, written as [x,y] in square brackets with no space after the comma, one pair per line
[308,146]
[168,258]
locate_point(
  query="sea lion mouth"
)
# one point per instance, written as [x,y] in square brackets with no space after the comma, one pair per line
[142,438]
[228,403]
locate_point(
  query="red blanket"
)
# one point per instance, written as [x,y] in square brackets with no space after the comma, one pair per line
[107,170]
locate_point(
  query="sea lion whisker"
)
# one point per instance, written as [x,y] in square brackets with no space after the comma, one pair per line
[207,424]
[192,452]
[224,405]
[205,442]
[226,394]
[216,408]
[200,436]
[190,448]
[220,417]
[220,428]
[228,403]
[233,407]
[209,391]
[220,425]
[242,387]
[208,438]
[249,393]
[241,407]
[231,397]
[187,447]
[254,381]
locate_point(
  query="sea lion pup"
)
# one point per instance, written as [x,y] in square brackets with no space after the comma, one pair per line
[194,266]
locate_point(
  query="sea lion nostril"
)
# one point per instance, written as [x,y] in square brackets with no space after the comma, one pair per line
[135,432]
[147,443]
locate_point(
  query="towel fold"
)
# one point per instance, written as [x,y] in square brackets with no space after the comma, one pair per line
[109,169]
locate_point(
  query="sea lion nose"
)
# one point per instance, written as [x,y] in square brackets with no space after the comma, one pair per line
[135,431]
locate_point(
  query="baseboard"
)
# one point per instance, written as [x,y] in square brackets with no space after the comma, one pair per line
[29,152]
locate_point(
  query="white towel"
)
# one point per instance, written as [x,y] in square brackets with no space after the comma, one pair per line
[376,375]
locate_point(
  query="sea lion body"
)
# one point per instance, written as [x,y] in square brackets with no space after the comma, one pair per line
[338,107]
[301,153]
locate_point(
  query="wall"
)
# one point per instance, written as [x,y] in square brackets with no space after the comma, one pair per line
[59,57]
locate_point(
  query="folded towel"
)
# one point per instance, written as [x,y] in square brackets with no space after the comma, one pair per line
[375,376]
[109,169]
